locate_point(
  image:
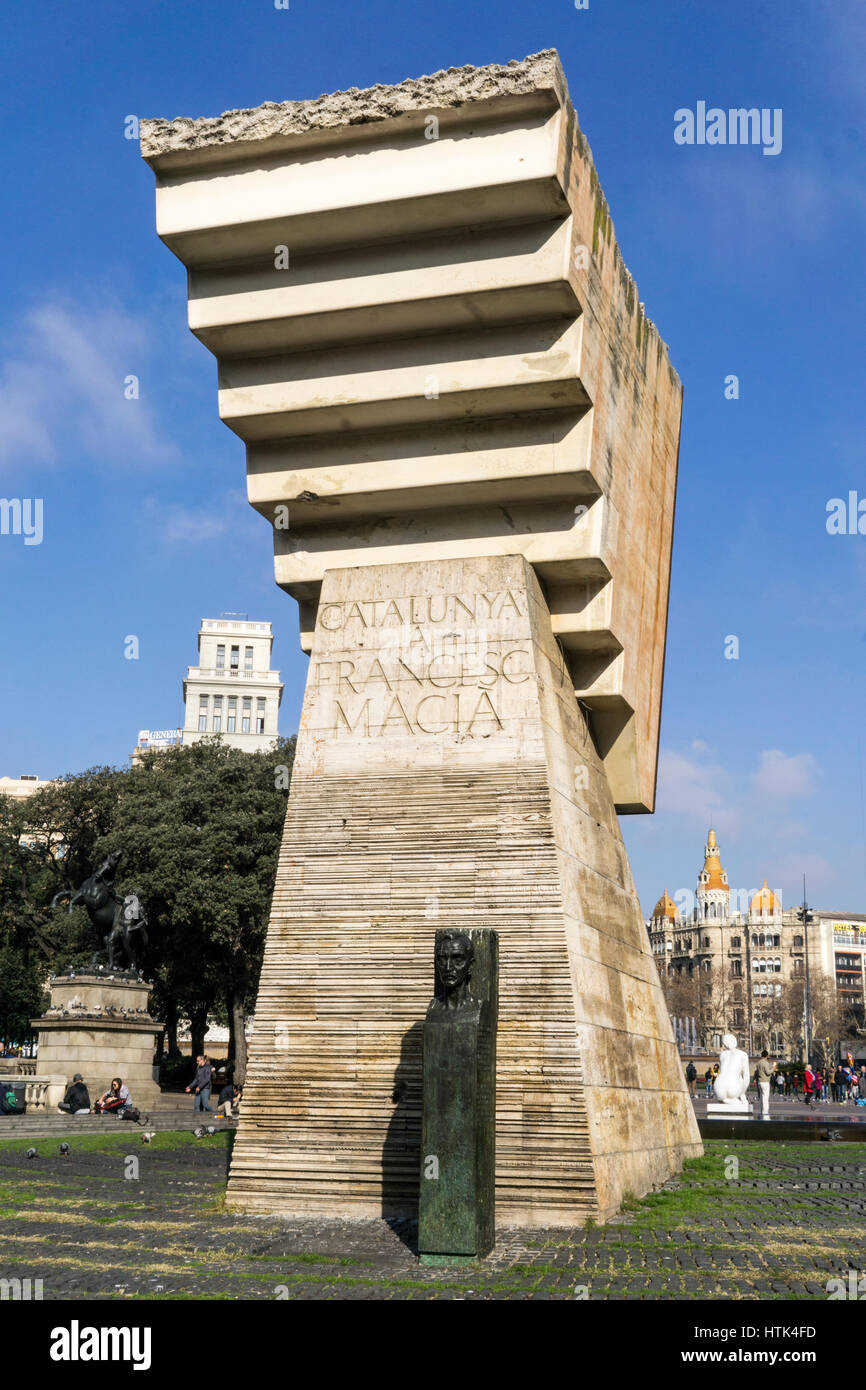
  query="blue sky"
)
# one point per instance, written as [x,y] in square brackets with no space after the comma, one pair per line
[749,264]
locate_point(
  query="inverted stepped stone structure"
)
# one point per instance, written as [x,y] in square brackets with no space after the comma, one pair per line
[464,431]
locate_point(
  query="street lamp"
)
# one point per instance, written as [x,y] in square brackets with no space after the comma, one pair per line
[806,917]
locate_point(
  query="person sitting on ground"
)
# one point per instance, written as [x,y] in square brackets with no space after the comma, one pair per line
[77,1100]
[230,1096]
[115,1099]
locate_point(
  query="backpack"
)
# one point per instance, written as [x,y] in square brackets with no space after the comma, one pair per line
[132,1114]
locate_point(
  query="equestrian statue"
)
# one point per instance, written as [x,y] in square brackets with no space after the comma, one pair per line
[120,921]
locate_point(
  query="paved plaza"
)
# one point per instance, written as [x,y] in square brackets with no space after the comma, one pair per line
[746,1221]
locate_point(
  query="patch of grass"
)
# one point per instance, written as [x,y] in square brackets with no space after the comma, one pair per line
[171,1140]
[307,1257]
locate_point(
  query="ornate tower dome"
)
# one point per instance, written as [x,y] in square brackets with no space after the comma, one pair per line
[665,907]
[713,893]
[765,905]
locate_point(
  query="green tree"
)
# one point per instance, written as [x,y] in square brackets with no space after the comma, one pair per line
[199,828]
[21,993]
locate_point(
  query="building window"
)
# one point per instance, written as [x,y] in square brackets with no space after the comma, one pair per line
[217,714]
[232,721]
[735,943]
[202,723]
[202,714]
[248,658]
[738,1018]
[221,657]
[737,969]
[245,724]
[706,941]
[235,657]
[798,941]
[260,715]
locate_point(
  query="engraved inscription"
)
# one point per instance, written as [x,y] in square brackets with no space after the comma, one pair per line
[420,665]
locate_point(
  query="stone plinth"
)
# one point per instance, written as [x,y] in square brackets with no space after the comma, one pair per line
[101,1027]
[445,775]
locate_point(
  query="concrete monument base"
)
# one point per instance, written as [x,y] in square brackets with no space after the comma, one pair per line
[101,1027]
[445,775]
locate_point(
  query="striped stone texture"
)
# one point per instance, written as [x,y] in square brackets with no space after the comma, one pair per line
[431,347]
[445,774]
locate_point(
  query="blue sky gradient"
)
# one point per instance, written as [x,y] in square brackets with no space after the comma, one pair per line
[749,264]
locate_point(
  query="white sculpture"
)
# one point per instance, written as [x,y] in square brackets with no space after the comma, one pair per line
[732,1081]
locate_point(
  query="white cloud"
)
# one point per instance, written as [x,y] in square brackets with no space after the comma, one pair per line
[62,387]
[228,517]
[780,777]
[697,789]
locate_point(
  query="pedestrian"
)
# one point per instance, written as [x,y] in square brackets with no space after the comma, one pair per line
[808,1085]
[77,1099]
[763,1076]
[201,1084]
[861,1084]
[781,1085]
[691,1077]
[708,1081]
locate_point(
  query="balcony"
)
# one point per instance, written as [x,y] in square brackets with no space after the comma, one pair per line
[232,673]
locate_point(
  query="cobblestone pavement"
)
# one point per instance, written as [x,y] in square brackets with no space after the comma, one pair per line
[748,1220]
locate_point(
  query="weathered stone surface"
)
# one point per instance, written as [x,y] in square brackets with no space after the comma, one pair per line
[452,87]
[450,360]
[421,797]
[101,1027]
[464,431]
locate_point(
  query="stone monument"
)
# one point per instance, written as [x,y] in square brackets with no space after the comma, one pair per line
[463,430]
[732,1083]
[98,1022]
[456,1207]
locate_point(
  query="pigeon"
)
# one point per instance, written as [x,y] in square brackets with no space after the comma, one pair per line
[31,1153]
[147,1136]
[198,1132]
[64,1150]
[211,1129]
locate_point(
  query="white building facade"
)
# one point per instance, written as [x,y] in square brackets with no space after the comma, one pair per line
[232,691]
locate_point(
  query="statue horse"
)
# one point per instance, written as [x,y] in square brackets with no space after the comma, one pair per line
[130,917]
[115,918]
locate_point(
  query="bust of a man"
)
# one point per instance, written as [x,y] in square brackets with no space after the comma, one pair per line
[454,957]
